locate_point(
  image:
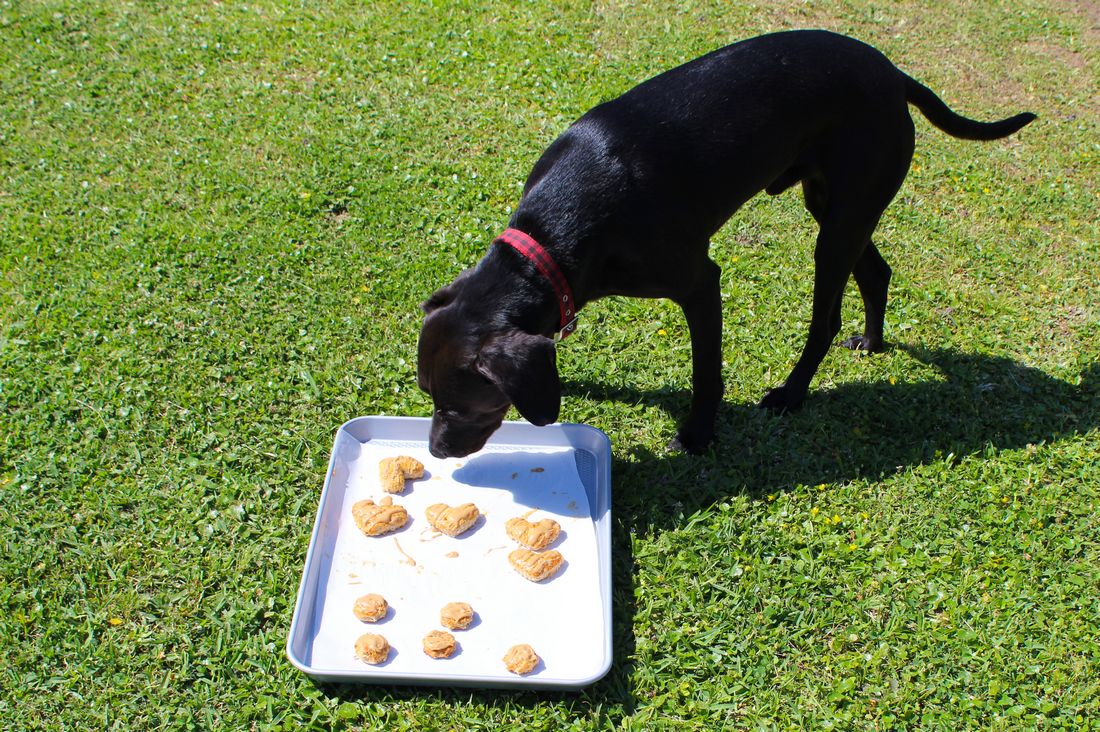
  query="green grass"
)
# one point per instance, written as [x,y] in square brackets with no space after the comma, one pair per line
[217,220]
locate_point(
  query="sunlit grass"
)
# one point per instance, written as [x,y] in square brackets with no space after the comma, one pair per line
[217,221]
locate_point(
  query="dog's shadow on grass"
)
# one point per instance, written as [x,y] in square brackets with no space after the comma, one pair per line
[855,431]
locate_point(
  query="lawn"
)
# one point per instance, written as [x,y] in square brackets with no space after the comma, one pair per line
[217,220]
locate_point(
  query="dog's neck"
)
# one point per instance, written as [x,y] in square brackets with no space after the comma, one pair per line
[544,263]
[516,294]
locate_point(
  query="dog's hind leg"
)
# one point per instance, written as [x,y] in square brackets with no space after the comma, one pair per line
[871,272]
[838,248]
[816,200]
[872,275]
[702,306]
[858,176]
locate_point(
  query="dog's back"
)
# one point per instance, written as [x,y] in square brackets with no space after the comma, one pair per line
[704,137]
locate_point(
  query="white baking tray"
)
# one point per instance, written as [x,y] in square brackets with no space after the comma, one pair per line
[560,471]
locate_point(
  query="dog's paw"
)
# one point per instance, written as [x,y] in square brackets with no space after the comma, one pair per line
[691,442]
[781,399]
[862,343]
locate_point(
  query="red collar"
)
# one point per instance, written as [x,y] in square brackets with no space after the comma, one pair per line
[545,264]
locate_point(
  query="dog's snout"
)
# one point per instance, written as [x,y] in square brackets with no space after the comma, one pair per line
[455,439]
[438,451]
[443,448]
[441,443]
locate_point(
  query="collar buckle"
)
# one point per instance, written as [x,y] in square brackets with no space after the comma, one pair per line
[567,330]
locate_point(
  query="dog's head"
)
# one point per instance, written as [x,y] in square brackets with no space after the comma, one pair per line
[474,371]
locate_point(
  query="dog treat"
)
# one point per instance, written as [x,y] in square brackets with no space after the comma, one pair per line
[439,644]
[372,648]
[393,472]
[536,566]
[533,536]
[370,608]
[452,521]
[456,615]
[377,519]
[521,659]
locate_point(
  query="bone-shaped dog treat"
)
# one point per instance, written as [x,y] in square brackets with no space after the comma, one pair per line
[536,566]
[533,536]
[377,519]
[521,659]
[393,472]
[452,521]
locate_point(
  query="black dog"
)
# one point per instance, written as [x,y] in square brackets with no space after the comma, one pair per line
[625,203]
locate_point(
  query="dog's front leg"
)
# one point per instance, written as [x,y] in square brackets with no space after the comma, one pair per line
[702,308]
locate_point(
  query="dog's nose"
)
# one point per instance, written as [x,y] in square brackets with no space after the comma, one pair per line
[440,447]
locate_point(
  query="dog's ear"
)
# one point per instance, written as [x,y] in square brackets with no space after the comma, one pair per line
[440,298]
[445,295]
[524,367]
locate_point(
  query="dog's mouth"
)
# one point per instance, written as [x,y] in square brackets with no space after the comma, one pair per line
[443,450]
[453,439]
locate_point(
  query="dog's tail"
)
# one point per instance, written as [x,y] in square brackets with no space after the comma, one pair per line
[955,124]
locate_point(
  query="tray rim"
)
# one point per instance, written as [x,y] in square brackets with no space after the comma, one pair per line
[416,429]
